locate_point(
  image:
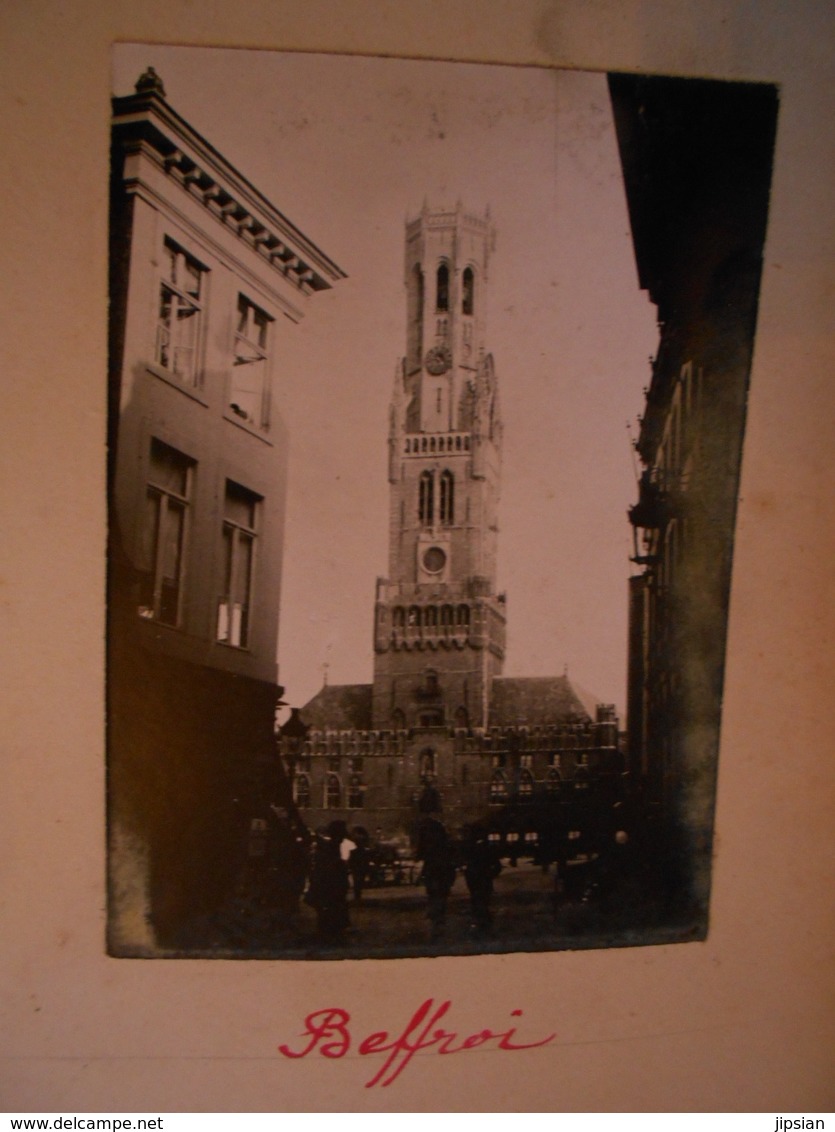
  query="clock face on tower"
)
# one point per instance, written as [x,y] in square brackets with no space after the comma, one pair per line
[434,559]
[438,360]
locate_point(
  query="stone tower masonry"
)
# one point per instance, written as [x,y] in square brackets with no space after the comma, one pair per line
[439,629]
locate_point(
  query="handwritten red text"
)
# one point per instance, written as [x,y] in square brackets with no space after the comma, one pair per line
[328,1032]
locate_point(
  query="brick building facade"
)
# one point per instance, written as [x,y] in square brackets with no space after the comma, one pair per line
[439,718]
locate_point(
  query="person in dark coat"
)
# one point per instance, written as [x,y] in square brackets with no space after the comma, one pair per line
[288,855]
[481,867]
[436,851]
[358,862]
[327,893]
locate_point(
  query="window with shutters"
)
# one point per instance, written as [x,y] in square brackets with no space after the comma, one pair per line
[164,534]
[240,518]
[249,387]
[179,323]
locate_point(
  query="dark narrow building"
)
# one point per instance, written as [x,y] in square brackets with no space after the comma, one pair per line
[696,159]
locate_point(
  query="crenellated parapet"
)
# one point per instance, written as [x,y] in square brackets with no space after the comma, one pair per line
[559,737]
[453,618]
[353,744]
[376,777]
[569,739]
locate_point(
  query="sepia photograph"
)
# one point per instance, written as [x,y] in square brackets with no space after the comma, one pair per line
[426,406]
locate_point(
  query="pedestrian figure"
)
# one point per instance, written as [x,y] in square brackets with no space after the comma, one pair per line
[481,867]
[359,859]
[436,851]
[346,845]
[287,860]
[621,879]
[328,889]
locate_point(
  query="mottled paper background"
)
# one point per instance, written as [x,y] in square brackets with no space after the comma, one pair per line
[743,1021]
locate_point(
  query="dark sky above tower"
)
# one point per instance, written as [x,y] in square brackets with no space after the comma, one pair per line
[349,148]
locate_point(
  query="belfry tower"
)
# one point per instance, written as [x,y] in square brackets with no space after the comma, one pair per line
[439,629]
[440,727]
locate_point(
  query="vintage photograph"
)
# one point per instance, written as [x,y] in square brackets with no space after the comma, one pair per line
[427,393]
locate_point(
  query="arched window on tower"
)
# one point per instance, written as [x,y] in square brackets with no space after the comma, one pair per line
[447,498]
[333,792]
[581,777]
[301,791]
[427,764]
[525,786]
[498,789]
[442,298]
[355,792]
[468,291]
[426,498]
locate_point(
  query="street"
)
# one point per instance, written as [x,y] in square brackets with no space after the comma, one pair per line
[391,922]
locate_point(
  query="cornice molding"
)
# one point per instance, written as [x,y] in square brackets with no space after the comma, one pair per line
[145,122]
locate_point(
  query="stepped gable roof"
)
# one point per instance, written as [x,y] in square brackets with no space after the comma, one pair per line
[538,700]
[339,707]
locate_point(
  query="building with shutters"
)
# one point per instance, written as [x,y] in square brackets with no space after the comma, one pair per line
[208,278]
